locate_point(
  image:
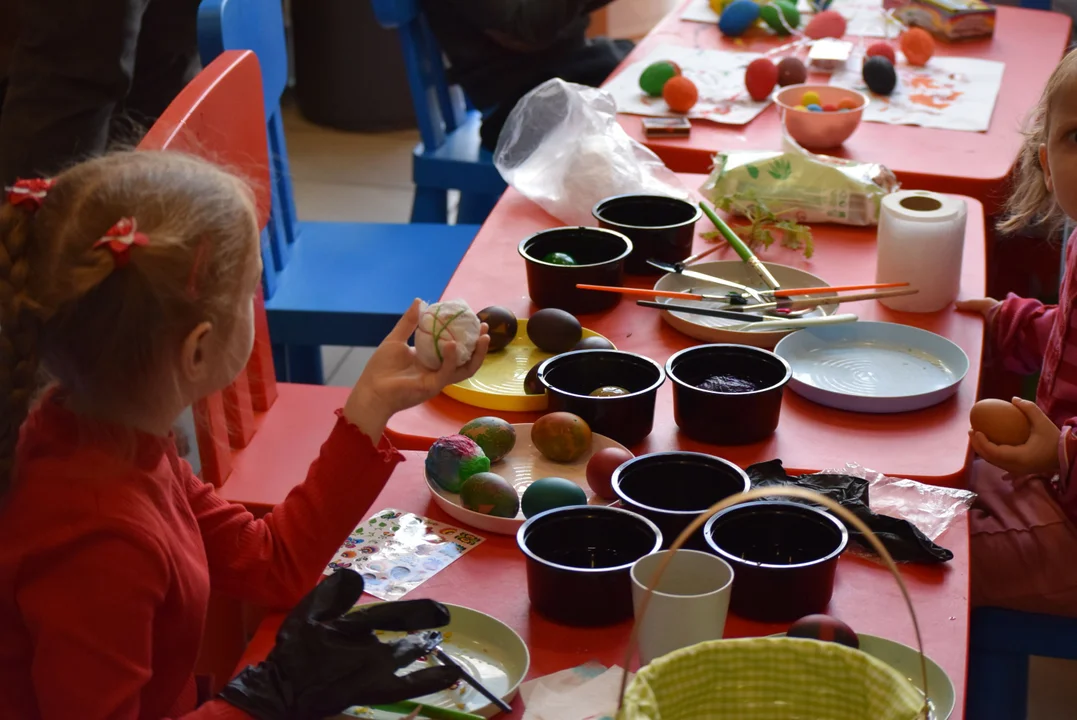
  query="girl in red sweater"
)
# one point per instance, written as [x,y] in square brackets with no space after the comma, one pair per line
[1024,536]
[129,280]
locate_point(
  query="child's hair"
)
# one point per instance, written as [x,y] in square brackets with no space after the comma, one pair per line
[1031,204]
[97,328]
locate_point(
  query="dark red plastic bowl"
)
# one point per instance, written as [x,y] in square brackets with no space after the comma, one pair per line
[660,228]
[600,257]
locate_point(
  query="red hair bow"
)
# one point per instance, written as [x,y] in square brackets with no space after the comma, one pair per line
[29,193]
[119,239]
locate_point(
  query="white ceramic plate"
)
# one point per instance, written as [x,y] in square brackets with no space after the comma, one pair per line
[716,330]
[520,468]
[873,367]
[487,648]
[906,660]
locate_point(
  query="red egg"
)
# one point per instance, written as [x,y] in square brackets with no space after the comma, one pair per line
[826,628]
[827,24]
[680,94]
[830,108]
[884,49]
[760,78]
[600,470]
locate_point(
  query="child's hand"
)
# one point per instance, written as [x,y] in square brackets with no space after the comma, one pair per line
[395,380]
[1038,456]
[980,305]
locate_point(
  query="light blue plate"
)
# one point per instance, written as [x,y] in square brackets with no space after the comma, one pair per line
[873,367]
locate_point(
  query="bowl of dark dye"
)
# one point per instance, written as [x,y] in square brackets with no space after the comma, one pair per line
[727,394]
[784,555]
[579,562]
[660,228]
[572,377]
[671,489]
[599,259]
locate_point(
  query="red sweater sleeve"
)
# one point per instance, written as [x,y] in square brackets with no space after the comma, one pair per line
[275,560]
[1020,328]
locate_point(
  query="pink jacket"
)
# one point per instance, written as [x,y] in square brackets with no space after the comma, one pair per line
[1028,337]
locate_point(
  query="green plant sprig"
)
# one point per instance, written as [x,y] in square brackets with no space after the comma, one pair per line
[762,225]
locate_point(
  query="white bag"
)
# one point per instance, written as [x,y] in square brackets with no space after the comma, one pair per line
[563,148]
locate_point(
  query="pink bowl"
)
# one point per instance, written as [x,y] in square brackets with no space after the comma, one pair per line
[818,130]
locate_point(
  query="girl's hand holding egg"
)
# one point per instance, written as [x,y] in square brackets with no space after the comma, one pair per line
[395,379]
[994,425]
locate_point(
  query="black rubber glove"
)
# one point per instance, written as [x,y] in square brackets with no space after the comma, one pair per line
[328,659]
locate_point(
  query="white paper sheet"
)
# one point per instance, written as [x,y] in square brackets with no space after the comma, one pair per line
[718,74]
[951,93]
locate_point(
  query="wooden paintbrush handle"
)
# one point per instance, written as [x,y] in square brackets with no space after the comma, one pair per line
[816,302]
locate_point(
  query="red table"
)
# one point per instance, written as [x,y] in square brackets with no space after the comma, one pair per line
[1029,42]
[492,579]
[931,444]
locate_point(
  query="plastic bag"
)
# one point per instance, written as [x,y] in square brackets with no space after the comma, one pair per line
[563,148]
[803,186]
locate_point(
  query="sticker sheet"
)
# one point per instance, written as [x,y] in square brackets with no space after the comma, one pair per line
[396,552]
[865,18]
[718,74]
[951,93]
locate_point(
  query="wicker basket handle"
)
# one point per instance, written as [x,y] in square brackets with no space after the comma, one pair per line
[764,493]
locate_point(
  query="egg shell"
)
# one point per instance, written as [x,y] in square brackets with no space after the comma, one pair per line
[489,494]
[760,78]
[791,71]
[769,15]
[918,46]
[453,459]
[495,436]
[593,343]
[442,323]
[809,98]
[882,49]
[879,75]
[1002,422]
[827,24]
[826,628]
[654,77]
[738,17]
[501,326]
[553,330]
[600,470]
[680,93]
[549,493]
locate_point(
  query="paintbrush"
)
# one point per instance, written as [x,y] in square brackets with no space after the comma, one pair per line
[740,247]
[416,710]
[731,297]
[810,303]
[709,312]
[464,675]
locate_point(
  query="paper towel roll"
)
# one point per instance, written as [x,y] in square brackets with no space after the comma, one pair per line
[921,241]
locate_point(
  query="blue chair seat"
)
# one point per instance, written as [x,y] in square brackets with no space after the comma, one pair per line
[337,271]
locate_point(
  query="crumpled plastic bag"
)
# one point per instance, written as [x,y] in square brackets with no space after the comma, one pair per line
[799,185]
[904,540]
[562,148]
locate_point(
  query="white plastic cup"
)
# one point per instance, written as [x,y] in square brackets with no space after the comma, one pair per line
[688,607]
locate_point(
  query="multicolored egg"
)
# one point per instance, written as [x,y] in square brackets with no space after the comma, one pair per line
[495,436]
[453,459]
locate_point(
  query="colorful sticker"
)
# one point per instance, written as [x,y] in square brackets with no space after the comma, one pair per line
[397,551]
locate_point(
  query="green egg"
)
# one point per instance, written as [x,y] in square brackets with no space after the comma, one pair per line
[655,76]
[489,494]
[549,493]
[559,258]
[608,391]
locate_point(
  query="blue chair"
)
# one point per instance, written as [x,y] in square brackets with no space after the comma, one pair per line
[449,156]
[1000,644]
[326,283]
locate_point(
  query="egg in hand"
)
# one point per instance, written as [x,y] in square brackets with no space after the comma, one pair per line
[1003,423]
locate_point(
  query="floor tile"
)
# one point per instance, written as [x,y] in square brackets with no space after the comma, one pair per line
[332,357]
[352,203]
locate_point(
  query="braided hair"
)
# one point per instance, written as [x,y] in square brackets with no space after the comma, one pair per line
[99,328]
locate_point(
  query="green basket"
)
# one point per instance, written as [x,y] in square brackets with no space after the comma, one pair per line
[770,679]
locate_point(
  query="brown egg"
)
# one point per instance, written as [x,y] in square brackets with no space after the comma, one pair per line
[1002,422]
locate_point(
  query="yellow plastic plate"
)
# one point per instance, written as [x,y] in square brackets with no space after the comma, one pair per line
[499,383]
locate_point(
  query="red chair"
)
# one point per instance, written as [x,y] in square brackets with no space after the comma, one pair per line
[257,438]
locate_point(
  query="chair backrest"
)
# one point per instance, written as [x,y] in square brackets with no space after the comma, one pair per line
[218,116]
[258,25]
[439,109]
